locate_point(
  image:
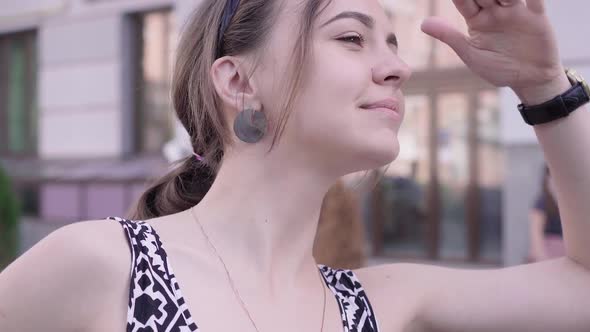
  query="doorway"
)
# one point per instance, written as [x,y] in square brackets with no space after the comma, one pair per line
[441,198]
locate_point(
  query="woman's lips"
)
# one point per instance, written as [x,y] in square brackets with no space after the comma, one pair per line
[389,105]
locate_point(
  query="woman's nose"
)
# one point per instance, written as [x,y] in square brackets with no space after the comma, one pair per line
[391,71]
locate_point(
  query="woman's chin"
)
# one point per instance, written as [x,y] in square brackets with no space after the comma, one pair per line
[383,156]
[387,158]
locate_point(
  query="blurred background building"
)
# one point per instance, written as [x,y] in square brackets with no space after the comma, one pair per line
[85,120]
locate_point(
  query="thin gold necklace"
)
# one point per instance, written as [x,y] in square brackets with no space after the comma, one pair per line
[233,286]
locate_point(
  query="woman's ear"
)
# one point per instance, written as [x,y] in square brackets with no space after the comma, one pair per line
[233,84]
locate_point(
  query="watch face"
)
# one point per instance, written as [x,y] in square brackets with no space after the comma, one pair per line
[575,78]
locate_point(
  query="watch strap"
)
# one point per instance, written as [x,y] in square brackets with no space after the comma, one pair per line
[558,107]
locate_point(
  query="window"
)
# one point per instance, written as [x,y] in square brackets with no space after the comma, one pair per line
[419,50]
[441,199]
[407,15]
[18,94]
[153,121]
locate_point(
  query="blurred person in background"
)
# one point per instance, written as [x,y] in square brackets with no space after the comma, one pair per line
[546,234]
[407,213]
[281,99]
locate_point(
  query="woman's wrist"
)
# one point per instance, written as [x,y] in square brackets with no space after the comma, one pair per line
[538,94]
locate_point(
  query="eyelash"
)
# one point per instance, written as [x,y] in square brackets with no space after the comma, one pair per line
[355,39]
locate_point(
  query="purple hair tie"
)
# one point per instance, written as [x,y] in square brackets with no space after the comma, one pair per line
[199,158]
[231,6]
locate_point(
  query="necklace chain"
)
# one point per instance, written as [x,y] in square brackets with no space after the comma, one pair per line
[233,286]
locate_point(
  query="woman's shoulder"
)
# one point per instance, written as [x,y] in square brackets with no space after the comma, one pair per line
[77,266]
[98,241]
[93,244]
[96,251]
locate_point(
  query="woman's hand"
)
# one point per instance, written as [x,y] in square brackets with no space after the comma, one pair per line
[510,43]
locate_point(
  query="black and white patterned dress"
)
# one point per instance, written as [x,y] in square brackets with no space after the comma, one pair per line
[156,302]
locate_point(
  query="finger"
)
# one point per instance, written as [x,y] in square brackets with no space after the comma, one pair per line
[508,3]
[501,3]
[443,31]
[486,3]
[537,6]
[467,8]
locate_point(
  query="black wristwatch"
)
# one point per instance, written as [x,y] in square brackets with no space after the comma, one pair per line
[560,106]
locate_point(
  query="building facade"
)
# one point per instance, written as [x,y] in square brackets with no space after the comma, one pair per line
[85,113]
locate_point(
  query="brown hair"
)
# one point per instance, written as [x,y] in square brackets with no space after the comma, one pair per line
[197,104]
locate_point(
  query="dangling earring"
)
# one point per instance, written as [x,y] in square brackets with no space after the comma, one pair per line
[250,125]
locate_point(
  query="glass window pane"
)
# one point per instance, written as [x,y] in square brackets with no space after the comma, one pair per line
[491,175]
[156,117]
[17,126]
[416,48]
[18,95]
[453,170]
[407,15]
[404,186]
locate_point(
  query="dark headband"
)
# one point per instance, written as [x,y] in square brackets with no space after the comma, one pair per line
[231,6]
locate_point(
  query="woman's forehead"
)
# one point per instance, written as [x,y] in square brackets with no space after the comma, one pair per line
[372,8]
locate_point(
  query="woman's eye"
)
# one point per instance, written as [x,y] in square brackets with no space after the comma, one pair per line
[356,39]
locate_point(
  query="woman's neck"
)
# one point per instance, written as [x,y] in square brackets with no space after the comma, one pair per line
[262,216]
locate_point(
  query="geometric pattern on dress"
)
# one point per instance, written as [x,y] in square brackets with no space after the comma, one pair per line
[155,300]
[355,309]
[156,303]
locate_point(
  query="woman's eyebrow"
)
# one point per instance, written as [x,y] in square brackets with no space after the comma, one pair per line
[365,19]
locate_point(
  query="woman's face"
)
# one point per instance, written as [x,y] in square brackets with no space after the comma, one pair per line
[350,106]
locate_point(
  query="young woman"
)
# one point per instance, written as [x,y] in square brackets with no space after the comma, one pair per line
[282,98]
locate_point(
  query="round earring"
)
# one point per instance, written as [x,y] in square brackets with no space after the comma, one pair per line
[250,125]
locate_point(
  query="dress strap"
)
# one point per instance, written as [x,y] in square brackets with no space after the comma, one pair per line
[355,308]
[155,299]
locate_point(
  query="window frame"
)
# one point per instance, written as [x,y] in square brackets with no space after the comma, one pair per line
[134,122]
[30,39]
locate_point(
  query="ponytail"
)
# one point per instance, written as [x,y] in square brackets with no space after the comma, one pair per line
[180,189]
